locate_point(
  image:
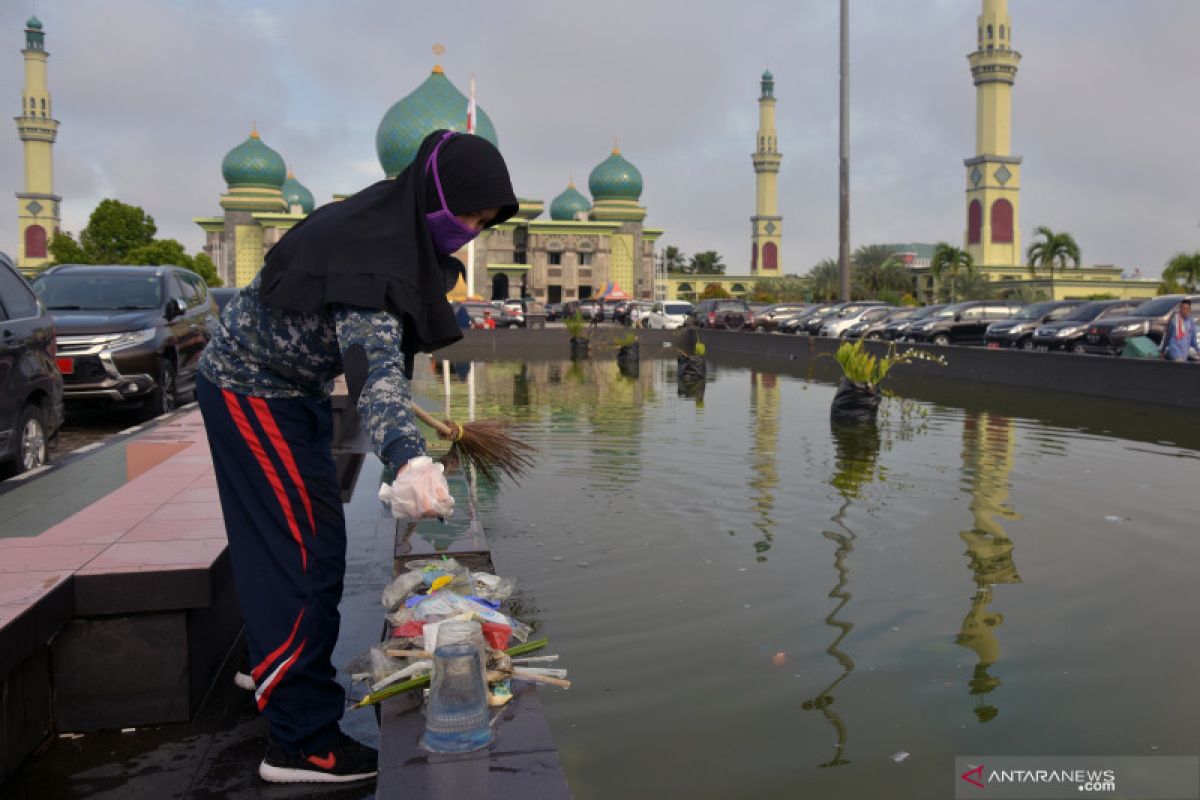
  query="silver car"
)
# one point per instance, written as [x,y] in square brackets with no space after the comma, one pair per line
[836,325]
[668,314]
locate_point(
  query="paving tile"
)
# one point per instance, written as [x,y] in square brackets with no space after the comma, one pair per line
[197,495]
[27,587]
[171,530]
[124,556]
[17,555]
[178,509]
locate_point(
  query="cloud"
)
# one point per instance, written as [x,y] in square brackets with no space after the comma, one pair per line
[152,94]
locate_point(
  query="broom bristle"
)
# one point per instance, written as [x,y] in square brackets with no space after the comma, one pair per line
[494,451]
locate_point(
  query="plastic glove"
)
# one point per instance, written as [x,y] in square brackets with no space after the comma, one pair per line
[420,491]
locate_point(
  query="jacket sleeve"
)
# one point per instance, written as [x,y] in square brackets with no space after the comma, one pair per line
[374,365]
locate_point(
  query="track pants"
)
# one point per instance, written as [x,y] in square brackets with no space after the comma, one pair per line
[287,541]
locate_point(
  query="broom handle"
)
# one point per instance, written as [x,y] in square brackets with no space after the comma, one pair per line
[429,420]
[533,677]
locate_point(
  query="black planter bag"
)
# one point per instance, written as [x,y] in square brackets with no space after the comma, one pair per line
[691,369]
[629,368]
[579,348]
[855,402]
[629,353]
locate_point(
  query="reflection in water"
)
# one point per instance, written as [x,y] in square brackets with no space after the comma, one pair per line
[988,460]
[764,406]
[855,460]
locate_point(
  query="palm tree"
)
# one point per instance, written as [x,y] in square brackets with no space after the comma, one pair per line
[826,280]
[876,269]
[974,286]
[1184,269]
[1054,250]
[674,259]
[951,263]
[707,263]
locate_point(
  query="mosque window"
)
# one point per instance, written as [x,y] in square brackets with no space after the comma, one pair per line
[770,256]
[1002,222]
[974,222]
[1001,31]
[754,255]
[555,258]
[990,33]
[585,259]
[35,242]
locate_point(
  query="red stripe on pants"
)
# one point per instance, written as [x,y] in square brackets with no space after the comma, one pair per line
[263,412]
[258,671]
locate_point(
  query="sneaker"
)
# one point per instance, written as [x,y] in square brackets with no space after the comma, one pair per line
[342,762]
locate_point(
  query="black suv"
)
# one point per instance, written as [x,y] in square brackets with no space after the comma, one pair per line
[31,389]
[961,323]
[731,314]
[1068,333]
[128,334]
[1149,319]
[1018,331]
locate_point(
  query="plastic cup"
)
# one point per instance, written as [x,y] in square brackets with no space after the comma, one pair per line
[456,719]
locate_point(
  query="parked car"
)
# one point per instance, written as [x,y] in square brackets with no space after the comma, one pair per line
[589,309]
[815,324]
[1149,319]
[730,314]
[897,328]
[1068,333]
[768,319]
[31,387]
[637,313]
[837,325]
[1018,331]
[873,328]
[812,324]
[475,309]
[796,323]
[510,316]
[668,315]
[962,323]
[554,312]
[128,335]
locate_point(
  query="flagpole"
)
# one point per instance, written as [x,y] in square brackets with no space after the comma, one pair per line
[471,244]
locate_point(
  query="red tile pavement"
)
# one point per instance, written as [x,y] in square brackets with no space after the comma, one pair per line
[17,557]
[197,495]
[26,588]
[182,509]
[176,554]
[174,530]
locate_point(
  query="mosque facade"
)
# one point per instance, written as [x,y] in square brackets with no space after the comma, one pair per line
[38,215]
[585,248]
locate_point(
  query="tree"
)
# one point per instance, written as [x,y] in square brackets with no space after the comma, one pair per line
[787,289]
[675,261]
[65,250]
[114,230]
[825,279]
[714,291]
[1184,270]
[203,266]
[1025,294]
[1053,251]
[160,252]
[951,263]
[974,286]
[876,269]
[707,263]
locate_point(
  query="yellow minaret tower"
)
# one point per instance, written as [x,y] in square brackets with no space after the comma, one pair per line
[37,206]
[994,175]
[766,226]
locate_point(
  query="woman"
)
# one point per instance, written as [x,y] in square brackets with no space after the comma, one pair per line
[357,288]
[1179,339]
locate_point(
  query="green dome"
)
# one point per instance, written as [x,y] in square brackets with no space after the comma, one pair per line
[614,178]
[433,105]
[767,76]
[568,204]
[296,193]
[34,23]
[252,163]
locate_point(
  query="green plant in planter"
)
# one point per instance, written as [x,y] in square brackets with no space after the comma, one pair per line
[576,325]
[626,340]
[699,350]
[860,366]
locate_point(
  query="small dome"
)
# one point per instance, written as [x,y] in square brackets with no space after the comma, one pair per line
[33,23]
[767,76]
[614,178]
[252,163]
[568,204]
[296,193]
[434,105]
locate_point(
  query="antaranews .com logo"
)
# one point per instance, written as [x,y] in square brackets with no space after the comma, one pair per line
[1084,780]
[1050,777]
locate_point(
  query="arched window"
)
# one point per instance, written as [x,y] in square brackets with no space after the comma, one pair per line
[1001,31]
[1002,222]
[754,255]
[990,33]
[684,287]
[35,242]
[737,288]
[975,222]
[770,256]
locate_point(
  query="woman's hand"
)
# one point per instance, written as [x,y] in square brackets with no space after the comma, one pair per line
[420,491]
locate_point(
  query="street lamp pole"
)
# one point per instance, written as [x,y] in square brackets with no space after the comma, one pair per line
[844,159]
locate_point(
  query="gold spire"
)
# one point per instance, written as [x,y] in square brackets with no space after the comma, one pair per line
[616,149]
[438,49]
[254,130]
[291,175]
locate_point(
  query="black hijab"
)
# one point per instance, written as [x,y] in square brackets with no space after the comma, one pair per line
[373,250]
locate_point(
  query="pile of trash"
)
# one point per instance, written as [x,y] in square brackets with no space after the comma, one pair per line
[438,602]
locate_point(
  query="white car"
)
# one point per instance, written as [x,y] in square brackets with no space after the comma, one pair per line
[837,325]
[668,315]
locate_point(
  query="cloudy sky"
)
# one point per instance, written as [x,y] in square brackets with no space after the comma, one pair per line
[152,93]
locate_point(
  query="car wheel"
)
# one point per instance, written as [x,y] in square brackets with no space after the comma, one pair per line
[32,443]
[1026,344]
[1079,347]
[941,339]
[512,325]
[874,336]
[165,398]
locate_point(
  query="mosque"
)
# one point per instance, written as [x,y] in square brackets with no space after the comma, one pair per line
[584,249]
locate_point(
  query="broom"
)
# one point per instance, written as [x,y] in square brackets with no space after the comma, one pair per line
[487,444]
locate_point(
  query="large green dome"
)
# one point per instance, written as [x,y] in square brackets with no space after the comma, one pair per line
[614,178]
[568,204]
[252,163]
[296,193]
[33,23]
[433,105]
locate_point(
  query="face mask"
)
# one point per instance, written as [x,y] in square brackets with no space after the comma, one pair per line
[448,231]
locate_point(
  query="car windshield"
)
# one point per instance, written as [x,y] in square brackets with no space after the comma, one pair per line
[1156,307]
[903,313]
[1035,311]
[677,308]
[730,306]
[101,292]
[927,311]
[1086,312]
[946,313]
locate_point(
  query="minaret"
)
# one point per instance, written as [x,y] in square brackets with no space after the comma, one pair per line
[37,206]
[766,226]
[993,235]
